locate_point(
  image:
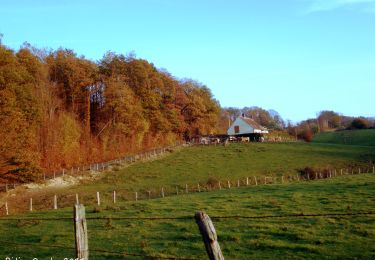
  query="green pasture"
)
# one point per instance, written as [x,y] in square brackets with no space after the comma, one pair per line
[364,137]
[346,237]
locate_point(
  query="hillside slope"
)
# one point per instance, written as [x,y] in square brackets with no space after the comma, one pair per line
[206,165]
[364,137]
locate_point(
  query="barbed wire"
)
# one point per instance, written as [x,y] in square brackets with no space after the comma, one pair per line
[298,215]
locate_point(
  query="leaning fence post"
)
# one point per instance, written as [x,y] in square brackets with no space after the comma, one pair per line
[55,202]
[98,197]
[31,204]
[255,179]
[208,232]
[6,208]
[80,230]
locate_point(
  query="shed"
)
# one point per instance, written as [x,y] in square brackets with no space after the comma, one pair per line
[244,126]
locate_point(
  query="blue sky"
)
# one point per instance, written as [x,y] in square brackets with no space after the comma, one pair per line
[295,56]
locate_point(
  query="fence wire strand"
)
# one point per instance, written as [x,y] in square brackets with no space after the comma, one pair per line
[299,215]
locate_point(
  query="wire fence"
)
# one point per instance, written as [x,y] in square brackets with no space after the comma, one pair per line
[169,219]
[112,198]
[98,167]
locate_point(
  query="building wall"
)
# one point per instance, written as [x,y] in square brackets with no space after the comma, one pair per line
[244,127]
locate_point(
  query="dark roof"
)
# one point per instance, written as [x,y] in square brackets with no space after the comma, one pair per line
[252,123]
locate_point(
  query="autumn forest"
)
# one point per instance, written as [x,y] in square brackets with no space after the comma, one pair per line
[59,110]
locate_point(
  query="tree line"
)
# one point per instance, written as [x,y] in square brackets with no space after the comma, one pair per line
[327,121]
[58,109]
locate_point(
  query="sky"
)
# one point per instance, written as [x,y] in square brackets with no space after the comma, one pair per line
[297,57]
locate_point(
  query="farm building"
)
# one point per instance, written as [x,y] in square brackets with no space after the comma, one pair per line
[247,127]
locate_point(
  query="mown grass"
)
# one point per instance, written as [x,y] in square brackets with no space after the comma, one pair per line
[266,238]
[364,137]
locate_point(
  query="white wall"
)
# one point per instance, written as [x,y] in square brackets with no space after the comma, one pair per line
[244,127]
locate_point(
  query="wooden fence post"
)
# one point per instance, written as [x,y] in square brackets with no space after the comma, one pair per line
[255,179]
[114,197]
[31,204]
[77,200]
[247,181]
[80,230]
[63,172]
[219,185]
[98,197]
[208,232]
[136,196]
[282,179]
[162,192]
[238,183]
[149,194]
[6,208]
[55,202]
[6,187]
[228,184]
[186,188]
[176,190]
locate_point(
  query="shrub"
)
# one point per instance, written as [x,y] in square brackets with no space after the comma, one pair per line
[308,136]
[359,123]
[307,171]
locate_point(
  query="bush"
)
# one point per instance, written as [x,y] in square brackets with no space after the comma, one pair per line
[212,181]
[308,136]
[307,171]
[359,123]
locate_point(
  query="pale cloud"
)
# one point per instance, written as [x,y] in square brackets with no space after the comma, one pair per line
[327,5]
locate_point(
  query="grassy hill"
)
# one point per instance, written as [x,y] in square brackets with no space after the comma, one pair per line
[350,137]
[206,165]
[265,238]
